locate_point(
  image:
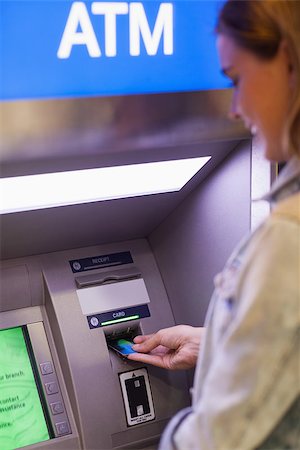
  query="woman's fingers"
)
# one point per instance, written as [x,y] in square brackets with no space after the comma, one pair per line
[145,344]
[141,338]
[155,360]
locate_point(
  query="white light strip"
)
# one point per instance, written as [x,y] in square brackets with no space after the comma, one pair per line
[48,190]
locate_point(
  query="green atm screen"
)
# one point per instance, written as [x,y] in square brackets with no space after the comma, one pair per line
[22,421]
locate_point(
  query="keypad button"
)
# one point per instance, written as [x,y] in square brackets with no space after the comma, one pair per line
[51,388]
[46,368]
[62,428]
[57,408]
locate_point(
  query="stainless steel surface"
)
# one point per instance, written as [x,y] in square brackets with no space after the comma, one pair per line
[57,135]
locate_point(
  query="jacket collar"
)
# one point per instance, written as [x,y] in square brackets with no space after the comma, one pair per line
[287,183]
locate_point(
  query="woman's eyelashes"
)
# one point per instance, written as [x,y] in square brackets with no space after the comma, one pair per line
[234,81]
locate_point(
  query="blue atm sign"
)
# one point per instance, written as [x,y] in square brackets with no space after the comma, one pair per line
[62,48]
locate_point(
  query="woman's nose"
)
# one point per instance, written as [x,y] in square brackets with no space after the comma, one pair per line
[234,113]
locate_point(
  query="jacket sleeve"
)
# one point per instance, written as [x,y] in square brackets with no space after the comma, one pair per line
[253,378]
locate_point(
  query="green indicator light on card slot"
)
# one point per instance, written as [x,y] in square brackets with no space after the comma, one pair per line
[123,319]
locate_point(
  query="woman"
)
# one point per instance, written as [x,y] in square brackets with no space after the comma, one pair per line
[246,387]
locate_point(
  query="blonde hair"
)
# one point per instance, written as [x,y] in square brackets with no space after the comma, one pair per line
[260,26]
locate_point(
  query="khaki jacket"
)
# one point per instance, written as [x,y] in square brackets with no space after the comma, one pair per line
[247,380]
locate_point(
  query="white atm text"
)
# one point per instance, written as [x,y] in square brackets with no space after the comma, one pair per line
[79,29]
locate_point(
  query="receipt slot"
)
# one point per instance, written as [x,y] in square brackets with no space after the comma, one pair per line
[137,396]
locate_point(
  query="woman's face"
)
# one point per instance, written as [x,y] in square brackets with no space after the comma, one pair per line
[262,90]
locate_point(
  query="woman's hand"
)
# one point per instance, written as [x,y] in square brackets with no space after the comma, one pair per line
[171,348]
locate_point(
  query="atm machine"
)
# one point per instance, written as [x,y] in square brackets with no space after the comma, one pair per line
[57,361]
[63,309]
[77,281]
[72,287]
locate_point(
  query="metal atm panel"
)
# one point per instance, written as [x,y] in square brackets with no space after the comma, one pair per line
[110,409]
